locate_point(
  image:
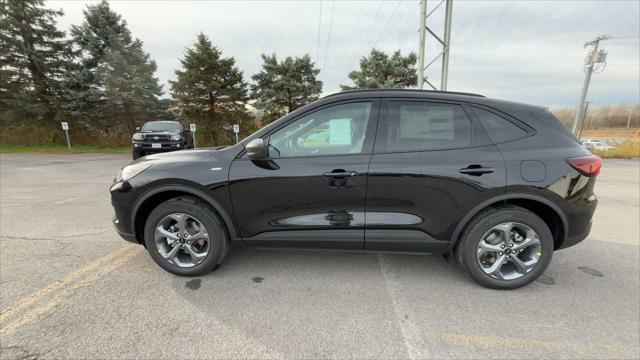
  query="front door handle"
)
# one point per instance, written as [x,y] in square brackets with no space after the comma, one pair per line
[477,170]
[340,173]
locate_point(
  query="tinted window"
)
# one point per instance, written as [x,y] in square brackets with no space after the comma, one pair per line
[498,128]
[335,130]
[548,118]
[415,126]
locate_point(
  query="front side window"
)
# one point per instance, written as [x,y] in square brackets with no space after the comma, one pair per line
[335,130]
[419,126]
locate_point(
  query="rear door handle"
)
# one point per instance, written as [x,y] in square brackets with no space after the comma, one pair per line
[340,173]
[477,170]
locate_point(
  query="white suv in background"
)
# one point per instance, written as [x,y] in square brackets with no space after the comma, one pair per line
[596,144]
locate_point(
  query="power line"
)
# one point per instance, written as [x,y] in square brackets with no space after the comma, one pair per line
[370,27]
[387,23]
[624,64]
[625,38]
[625,43]
[319,32]
[355,25]
[326,51]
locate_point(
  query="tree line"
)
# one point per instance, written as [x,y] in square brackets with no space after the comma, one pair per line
[602,116]
[100,79]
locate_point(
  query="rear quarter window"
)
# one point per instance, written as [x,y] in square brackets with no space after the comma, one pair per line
[498,128]
[551,120]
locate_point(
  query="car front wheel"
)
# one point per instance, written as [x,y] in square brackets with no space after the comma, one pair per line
[137,154]
[505,248]
[186,237]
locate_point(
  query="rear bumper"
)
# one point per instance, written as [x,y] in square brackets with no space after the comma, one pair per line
[575,239]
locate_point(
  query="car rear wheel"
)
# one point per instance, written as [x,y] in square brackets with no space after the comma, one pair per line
[186,237]
[505,248]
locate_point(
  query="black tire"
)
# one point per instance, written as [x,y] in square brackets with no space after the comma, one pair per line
[218,237]
[137,155]
[466,249]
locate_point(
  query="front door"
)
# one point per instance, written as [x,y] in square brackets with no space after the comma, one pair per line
[311,190]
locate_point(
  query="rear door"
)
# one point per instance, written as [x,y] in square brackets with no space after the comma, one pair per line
[310,191]
[432,163]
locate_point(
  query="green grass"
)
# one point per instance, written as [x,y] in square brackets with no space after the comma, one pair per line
[5,148]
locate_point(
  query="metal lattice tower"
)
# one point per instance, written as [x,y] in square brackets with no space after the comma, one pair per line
[444,42]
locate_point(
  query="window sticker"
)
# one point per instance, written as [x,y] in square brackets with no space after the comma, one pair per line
[340,131]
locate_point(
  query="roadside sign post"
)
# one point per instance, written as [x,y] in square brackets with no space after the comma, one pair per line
[192,128]
[236,129]
[65,127]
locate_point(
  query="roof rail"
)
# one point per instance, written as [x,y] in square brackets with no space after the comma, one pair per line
[403,90]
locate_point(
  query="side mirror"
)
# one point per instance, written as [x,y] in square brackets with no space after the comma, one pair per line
[256,149]
[138,128]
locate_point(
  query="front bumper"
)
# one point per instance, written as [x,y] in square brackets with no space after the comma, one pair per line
[144,146]
[123,234]
[122,196]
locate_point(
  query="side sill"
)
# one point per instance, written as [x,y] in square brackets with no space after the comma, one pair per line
[413,241]
[322,239]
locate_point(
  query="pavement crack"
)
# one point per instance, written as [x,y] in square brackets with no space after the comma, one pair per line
[33,238]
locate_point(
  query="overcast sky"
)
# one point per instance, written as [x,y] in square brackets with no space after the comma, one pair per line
[529,51]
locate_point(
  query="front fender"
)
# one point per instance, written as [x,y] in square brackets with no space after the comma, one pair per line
[220,202]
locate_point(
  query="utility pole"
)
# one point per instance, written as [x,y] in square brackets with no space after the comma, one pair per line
[444,42]
[582,125]
[629,118]
[595,57]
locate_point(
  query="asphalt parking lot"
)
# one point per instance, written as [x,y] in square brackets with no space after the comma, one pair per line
[71,288]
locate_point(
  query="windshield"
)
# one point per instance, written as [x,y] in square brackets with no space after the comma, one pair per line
[170,126]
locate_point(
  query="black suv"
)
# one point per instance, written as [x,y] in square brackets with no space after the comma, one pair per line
[498,185]
[160,136]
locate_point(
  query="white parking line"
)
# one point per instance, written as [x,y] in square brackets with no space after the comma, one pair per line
[416,348]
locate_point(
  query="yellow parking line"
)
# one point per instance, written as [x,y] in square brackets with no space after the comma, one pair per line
[55,293]
[36,296]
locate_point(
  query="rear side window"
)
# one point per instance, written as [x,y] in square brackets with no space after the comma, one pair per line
[417,126]
[548,118]
[499,129]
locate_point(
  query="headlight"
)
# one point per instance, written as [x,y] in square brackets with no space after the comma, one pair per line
[175,137]
[137,136]
[130,171]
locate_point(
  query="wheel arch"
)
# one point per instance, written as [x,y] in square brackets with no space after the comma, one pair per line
[555,219]
[153,197]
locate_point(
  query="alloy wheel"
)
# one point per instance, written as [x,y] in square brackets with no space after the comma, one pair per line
[509,251]
[182,240]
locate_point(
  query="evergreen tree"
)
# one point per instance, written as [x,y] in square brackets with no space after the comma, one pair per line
[132,91]
[282,87]
[379,71]
[102,31]
[112,87]
[34,56]
[210,91]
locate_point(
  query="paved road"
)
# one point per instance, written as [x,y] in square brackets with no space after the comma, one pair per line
[70,288]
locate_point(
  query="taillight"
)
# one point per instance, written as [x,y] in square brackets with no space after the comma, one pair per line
[586,165]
